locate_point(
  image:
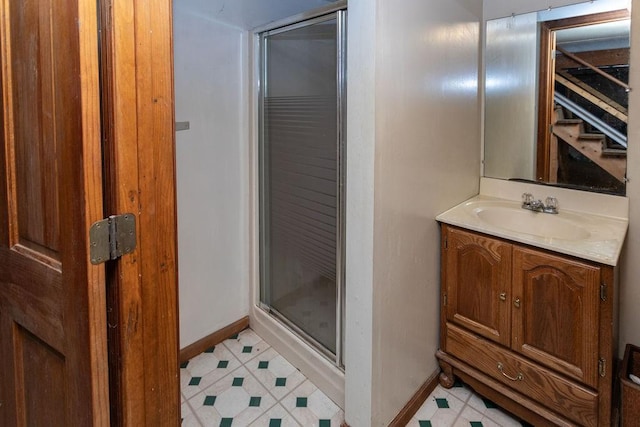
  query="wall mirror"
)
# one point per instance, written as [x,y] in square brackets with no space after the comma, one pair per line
[556,96]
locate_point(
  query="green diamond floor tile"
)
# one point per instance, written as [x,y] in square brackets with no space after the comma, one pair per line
[209,401]
[275,422]
[195,380]
[247,349]
[263,364]
[255,401]
[237,382]
[210,349]
[442,403]
[226,422]
[183,365]
[424,423]
[301,402]
[223,364]
[475,424]
[281,382]
[489,404]
[325,423]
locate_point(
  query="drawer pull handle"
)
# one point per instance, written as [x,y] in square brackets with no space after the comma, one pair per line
[503,296]
[518,377]
[517,302]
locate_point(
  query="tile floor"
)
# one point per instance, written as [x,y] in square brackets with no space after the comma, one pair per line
[460,406]
[245,382]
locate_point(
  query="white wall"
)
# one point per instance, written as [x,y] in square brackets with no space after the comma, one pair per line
[210,86]
[211,59]
[412,152]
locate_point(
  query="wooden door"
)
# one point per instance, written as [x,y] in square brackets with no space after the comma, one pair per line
[478,281]
[53,349]
[556,312]
[142,296]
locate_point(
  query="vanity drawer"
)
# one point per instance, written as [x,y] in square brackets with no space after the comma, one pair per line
[557,393]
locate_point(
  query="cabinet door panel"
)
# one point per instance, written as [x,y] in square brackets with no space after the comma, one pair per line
[556,323]
[477,280]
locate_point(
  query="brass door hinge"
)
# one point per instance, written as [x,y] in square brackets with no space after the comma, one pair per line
[602,367]
[603,291]
[112,237]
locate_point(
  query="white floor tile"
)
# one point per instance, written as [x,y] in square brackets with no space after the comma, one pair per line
[246,346]
[275,373]
[188,417]
[467,416]
[221,360]
[238,396]
[310,406]
[273,393]
[277,416]
[461,392]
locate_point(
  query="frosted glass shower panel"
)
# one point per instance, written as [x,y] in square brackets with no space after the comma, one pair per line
[300,179]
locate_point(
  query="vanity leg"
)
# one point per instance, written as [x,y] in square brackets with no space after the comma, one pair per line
[446,376]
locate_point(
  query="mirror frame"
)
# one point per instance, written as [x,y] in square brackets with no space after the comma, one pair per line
[546,80]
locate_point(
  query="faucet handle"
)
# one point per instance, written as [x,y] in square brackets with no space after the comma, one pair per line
[551,205]
[527,198]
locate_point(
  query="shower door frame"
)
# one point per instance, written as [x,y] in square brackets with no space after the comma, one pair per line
[337,12]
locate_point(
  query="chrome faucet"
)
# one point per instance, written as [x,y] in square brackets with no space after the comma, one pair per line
[550,204]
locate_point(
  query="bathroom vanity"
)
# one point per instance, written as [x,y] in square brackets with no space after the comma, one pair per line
[528,309]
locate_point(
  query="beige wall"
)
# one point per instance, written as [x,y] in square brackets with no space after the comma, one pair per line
[423,139]
[630,268]
[361,136]
[427,143]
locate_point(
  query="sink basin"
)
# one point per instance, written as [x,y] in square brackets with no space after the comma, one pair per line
[582,234]
[535,223]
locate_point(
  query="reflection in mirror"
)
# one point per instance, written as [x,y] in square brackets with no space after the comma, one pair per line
[556,99]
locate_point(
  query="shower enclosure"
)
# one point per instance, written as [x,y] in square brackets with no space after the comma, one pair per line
[301,157]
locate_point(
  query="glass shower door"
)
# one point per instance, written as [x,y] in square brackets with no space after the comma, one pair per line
[301,224]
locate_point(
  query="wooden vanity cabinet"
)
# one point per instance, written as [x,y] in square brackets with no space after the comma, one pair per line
[531,329]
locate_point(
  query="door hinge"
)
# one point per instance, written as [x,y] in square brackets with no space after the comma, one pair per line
[603,291]
[446,242]
[112,237]
[602,367]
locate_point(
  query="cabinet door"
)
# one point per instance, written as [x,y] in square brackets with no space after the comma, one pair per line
[477,279]
[556,312]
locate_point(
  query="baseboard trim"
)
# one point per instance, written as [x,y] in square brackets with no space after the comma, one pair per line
[410,409]
[192,350]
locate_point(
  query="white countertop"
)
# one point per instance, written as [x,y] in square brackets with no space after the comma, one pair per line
[600,237]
